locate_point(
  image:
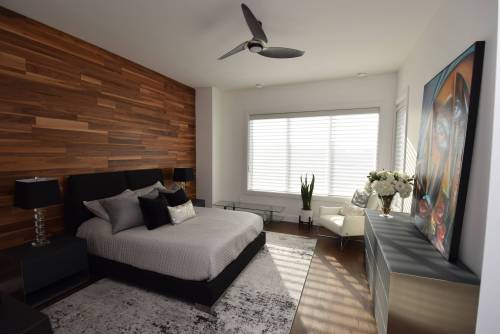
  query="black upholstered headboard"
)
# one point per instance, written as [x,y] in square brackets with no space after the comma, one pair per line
[87,187]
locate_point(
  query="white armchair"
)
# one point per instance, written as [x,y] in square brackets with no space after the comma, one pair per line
[345,226]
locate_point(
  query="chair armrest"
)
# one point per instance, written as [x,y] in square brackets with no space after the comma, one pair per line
[329,210]
[353,226]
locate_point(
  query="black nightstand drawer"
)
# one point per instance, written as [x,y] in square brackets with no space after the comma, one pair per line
[60,260]
[50,270]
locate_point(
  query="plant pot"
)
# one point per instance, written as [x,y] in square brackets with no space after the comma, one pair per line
[306,216]
[385,205]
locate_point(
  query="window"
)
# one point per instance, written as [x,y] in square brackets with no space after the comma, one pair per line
[339,147]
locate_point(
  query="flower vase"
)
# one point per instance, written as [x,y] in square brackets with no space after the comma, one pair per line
[385,204]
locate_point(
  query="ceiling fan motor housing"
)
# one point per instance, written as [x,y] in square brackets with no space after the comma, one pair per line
[255,46]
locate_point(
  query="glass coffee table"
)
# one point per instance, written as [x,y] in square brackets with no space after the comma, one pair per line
[268,210]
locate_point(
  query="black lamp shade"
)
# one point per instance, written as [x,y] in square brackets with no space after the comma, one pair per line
[183,174]
[36,193]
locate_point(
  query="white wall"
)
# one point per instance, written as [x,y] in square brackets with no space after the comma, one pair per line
[374,91]
[204,122]
[489,299]
[206,105]
[456,25]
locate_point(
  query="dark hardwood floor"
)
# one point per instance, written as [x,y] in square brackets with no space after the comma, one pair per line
[336,298]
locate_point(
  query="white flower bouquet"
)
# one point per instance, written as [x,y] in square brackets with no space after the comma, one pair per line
[386,184]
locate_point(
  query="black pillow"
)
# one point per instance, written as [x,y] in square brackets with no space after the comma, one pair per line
[177,198]
[154,211]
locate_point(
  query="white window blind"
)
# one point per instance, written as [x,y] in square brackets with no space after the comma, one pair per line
[400,147]
[400,140]
[339,147]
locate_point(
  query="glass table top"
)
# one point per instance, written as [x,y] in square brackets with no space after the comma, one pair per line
[249,206]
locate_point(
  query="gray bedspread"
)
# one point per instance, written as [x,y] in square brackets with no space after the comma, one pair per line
[197,249]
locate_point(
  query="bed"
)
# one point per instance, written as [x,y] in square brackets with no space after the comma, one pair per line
[196,260]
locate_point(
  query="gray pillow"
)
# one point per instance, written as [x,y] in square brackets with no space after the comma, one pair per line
[124,212]
[152,194]
[360,198]
[146,190]
[172,189]
[96,208]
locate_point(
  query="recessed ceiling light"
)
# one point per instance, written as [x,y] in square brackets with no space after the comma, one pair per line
[362,75]
[259,85]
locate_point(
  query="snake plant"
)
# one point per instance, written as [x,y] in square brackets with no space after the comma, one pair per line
[306,192]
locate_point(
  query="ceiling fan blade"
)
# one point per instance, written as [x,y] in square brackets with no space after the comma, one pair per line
[254,25]
[277,52]
[237,49]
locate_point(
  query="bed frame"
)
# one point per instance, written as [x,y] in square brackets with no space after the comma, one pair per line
[88,187]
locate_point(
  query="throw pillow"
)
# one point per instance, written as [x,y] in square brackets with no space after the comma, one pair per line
[124,212]
[175,199]
[152,194]
[154,210]
[171,188]
[182,212]
[360,198]
[146,190]
[96,208]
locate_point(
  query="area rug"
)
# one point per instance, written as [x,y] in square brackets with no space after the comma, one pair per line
[263,299]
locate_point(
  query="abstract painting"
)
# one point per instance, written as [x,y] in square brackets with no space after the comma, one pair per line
[444,155]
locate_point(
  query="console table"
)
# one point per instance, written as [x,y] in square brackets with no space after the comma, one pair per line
[414,289]
[270,210]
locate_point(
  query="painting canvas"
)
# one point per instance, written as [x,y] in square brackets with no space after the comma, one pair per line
[444,154]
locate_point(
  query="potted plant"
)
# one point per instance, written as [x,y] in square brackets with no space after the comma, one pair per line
[306,192]
[386,184]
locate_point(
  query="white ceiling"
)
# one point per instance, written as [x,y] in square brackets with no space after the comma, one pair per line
[182,39]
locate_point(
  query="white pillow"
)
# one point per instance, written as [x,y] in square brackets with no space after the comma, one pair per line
[96,207]
[182,212]
[351,210]
[146,190]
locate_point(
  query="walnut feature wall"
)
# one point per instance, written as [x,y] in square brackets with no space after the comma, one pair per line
[68,107]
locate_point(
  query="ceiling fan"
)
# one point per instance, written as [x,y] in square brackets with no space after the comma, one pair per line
[258,44]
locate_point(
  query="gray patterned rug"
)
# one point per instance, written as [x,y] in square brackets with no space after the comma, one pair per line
[263,299]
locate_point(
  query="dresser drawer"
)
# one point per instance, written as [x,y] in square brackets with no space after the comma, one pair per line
[369,234]
[369,267]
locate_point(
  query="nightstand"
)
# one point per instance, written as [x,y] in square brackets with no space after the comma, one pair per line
[50,271]
[198,202]
[19,318]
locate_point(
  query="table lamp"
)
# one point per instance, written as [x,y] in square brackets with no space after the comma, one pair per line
[183,175]
[36,194]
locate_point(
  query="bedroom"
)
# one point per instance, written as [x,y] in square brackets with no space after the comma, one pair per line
[99,102]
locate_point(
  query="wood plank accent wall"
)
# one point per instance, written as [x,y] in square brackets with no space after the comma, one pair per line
[68,107]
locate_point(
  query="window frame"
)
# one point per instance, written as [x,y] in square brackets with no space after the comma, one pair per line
[332,111]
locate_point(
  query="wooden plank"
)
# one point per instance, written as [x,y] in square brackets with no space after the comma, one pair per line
[33,164]
[106,103]
[91,80]
[12,61]
[63,124]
